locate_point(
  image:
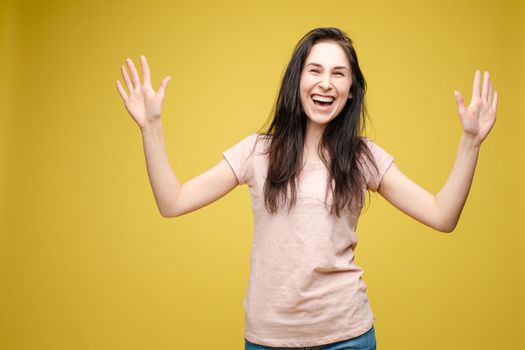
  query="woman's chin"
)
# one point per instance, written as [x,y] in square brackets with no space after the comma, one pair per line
[319,120]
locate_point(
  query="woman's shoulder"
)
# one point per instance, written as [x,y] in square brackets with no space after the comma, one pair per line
[251,144]
[262,136]
[261,141]
[371,143]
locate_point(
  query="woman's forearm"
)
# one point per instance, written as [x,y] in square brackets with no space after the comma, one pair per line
[165,185]
[451,198]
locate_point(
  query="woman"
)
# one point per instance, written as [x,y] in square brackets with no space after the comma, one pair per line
[307,176]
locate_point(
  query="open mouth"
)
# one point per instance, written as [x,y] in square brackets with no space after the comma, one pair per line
[322,101]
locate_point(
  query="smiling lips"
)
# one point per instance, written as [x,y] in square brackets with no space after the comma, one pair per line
[323,98]
[322,102]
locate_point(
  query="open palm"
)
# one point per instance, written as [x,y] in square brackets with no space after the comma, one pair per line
[143,103]
[479,117]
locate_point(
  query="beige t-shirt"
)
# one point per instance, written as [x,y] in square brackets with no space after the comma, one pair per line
[304,288]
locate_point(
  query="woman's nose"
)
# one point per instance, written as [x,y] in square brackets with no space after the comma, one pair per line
[325,82]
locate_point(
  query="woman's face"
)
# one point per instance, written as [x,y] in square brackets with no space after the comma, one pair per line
[326,76]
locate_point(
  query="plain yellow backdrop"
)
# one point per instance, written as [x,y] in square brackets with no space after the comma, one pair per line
[86,260]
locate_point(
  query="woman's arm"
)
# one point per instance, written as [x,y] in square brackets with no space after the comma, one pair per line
[443,210]
[145,107]
[165,185]
[440,211]
[172,198]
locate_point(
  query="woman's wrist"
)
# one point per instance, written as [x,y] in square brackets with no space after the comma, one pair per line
[470,140]
[151,127]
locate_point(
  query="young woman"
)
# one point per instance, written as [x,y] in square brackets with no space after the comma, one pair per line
[308,174]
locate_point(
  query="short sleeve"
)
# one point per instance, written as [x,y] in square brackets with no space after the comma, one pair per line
[240,158]
[383,161]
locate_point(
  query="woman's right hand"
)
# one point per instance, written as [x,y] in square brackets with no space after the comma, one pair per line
[143,103]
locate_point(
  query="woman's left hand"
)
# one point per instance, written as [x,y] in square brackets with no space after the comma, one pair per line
[480,116]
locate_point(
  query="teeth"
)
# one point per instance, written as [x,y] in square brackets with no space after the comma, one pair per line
[322,98]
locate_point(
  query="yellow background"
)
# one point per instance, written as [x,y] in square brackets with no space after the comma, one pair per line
[86,260]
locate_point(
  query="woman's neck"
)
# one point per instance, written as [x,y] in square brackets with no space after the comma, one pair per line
[311,142]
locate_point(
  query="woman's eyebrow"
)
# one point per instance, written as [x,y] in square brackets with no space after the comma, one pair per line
[318,65]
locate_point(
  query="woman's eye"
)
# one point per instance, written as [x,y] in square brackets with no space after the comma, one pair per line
[337,73]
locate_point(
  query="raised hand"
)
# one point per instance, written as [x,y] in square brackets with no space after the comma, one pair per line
[480,116]
[143,103]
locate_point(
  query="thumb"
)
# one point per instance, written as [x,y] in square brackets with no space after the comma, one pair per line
[459,101]
[164,85]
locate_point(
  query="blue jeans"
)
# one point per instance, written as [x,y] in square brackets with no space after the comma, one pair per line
[366,341]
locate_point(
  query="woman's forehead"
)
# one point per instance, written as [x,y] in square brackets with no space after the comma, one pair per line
[327,54]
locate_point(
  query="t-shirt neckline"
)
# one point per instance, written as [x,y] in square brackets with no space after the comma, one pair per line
[315,164]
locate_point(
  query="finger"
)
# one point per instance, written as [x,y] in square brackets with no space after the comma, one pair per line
[126,79]
[485,91]
[475,87]
[122,91]
[490,94]
[134,73]
[164,85]
[145,71]
[495,101]
[459,101]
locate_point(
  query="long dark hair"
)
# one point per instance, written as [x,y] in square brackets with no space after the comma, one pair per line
[341,136]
